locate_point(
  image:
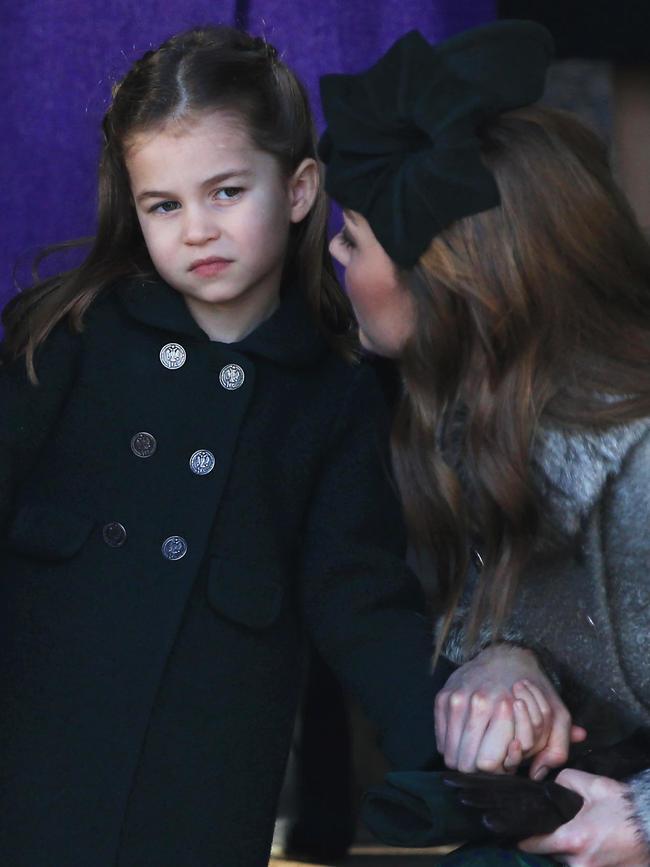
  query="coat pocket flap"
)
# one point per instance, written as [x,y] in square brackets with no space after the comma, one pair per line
[48,532]
[247,593]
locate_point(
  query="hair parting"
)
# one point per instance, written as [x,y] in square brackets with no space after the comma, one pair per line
[204,69]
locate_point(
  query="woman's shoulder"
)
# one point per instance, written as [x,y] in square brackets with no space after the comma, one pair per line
[573,468]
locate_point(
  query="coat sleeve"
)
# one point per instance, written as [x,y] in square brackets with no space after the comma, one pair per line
[363,607]
[626,551]
[28,412]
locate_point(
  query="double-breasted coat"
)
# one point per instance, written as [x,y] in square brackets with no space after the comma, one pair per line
[175,512]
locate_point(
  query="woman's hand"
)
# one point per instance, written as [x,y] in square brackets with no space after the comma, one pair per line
[603,834]
[500,708]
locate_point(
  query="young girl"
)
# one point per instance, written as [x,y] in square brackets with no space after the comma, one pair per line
[487,247]
[189,477]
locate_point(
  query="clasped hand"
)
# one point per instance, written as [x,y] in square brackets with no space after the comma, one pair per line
[499,709]
[602,834]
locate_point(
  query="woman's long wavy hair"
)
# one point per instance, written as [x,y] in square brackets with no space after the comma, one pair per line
[534,313]
[204,69]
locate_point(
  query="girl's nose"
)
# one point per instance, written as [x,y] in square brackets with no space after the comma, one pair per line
[200,226]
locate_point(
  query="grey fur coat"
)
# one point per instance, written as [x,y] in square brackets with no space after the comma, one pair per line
[584,600]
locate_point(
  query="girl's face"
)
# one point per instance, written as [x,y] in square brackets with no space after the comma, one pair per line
[215,214]
[383,306]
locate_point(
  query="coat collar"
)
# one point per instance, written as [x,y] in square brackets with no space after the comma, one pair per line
[290,336]
[571,470]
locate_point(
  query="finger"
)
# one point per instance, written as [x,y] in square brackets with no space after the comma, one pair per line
[513,757]
[521,691]
[441,709]
[561,843]
[497,738]
[539,709]
[556,751]
[476,723]
[545,845]
[524,732]
[564,843]
[458,709]
[577,734]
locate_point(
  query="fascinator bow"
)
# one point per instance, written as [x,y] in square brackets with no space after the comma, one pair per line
[402,145]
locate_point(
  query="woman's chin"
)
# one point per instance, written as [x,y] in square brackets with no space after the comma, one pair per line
[377,347]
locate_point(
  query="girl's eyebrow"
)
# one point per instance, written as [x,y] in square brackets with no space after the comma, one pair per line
[215,179]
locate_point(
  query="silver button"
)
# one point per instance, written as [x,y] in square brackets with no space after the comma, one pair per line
[202,462]
[231,377]
[174,548]
[172,356]
[114,534]
[143,444]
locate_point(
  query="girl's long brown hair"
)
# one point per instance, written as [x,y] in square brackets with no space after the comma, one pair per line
[534,312]
[204,69]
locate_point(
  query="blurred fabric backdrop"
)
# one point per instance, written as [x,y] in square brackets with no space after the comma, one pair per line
[60,58]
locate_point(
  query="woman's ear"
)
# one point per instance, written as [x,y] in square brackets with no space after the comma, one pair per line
[303,187]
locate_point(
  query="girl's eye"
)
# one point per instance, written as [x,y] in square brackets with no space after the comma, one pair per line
[164,207]
[227,194]
[345,239]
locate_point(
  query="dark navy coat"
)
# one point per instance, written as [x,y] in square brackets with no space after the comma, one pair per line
[152,617]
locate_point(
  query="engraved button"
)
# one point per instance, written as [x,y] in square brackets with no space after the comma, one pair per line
[143,444]
[202,462]
[172,356]
[231,377]
[174,548]
[114,534]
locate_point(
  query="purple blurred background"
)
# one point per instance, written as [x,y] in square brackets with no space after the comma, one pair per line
[60,58]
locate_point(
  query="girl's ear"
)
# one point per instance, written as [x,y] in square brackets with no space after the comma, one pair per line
[303,187]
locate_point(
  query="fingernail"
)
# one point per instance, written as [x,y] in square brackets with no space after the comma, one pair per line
[540,773]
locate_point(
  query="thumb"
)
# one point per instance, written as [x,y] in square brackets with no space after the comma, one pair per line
[577,781]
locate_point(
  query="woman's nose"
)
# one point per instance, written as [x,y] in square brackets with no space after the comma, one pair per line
[334,252]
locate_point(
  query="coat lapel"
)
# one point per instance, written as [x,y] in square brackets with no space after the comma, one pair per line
[290,336]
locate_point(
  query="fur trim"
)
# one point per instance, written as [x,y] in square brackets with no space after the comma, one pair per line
[571,470]
[454,648]
[640,800]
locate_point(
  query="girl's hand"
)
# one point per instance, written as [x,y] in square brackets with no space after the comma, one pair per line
[603,834]
[500,708]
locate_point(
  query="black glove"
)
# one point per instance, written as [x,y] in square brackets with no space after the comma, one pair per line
[419,808]
[515,807]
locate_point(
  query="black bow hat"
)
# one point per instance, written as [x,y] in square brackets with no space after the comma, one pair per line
[401,146]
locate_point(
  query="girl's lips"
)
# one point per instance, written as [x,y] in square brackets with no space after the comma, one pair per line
[210,267]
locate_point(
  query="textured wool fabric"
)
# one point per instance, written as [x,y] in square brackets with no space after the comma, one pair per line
[60,59]
[584,596]
[153,698]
